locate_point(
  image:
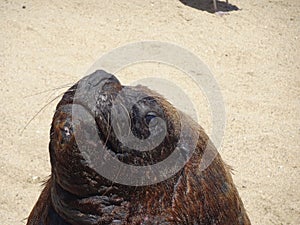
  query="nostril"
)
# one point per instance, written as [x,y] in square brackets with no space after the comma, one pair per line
[111,85]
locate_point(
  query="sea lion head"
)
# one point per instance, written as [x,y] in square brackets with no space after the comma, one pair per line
[134,124]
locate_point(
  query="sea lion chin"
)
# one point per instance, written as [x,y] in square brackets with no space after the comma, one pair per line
[79,192]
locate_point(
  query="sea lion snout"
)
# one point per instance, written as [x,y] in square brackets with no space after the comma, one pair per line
[100,79]
[96,91]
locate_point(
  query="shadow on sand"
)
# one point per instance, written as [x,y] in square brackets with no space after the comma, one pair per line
[207,5]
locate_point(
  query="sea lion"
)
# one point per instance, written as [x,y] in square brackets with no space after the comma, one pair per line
[77,193]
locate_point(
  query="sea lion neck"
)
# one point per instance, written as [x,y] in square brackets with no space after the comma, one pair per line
[151,204]
[108,208]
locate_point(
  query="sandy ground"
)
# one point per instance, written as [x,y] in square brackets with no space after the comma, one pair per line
[253,53]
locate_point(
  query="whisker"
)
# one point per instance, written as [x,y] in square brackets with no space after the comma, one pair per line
[39,111]
[108,131]
[52,89]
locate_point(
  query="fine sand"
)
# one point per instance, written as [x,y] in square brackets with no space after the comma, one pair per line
[253,54]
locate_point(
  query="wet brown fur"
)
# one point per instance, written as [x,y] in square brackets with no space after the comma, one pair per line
[76,194]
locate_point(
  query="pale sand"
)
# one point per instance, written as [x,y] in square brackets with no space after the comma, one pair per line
[253,54]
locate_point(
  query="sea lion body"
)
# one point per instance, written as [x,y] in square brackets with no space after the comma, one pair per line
[77,194]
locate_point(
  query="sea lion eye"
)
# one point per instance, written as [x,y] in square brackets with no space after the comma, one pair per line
[149,116]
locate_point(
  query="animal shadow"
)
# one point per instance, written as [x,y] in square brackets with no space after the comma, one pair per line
[207,5]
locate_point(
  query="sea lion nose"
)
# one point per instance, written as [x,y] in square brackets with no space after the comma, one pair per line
[100,79]
[95,89]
